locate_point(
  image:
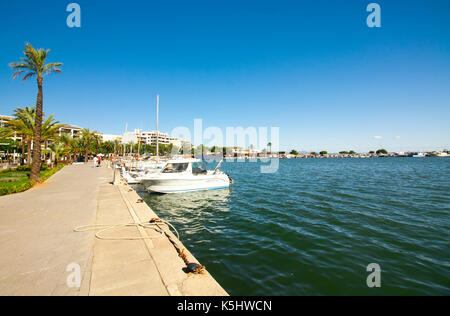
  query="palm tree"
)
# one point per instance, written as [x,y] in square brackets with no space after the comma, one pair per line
[117,146]
[33,64]
[59,149]
[67,140]
[107,147]
[76,147]
[50,129]
[270,146]
[88,137]
[22,126]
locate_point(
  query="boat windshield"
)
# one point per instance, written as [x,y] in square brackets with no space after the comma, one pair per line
[199,168]
[175,167]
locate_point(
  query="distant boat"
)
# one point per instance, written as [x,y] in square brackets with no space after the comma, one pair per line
[419,155]
[443,154]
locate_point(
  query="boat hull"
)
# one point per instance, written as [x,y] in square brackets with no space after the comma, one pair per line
[135,177]
[185,184]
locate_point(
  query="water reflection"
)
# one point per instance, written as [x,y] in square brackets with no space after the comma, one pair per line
[194,204]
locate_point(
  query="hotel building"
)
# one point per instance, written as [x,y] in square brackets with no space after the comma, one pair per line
[72,130]
[4,119]
[149,138]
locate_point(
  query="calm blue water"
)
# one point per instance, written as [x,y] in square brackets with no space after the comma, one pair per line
[314,226]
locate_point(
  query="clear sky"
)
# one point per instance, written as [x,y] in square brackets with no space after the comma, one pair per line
[312,68]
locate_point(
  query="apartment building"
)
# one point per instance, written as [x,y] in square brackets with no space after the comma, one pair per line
[74,131]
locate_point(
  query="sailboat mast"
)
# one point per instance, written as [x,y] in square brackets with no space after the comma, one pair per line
[139,143]
[157,127]
[124,146]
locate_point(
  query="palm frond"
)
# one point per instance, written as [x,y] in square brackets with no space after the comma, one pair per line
[51,68]
[50,129]
[34,62]
[28,75]
[19,66]
[17,73]
[6,132]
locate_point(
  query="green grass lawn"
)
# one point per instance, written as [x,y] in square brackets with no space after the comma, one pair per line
[13,181]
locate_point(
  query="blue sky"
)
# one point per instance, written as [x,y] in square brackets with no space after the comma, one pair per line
[312,68]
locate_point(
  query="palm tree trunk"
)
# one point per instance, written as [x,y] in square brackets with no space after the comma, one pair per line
[29,152]
[86,155]
[36,166]
[23,151]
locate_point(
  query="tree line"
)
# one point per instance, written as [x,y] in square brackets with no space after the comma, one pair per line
[343,152]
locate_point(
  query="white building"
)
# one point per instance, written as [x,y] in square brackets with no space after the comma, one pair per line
[237,151]
[4,119]
[72,130]
[149,138]
[180,142]
[111,137]
[130,137]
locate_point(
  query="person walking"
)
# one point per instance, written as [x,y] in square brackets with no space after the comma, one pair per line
[95,161]
[99,161]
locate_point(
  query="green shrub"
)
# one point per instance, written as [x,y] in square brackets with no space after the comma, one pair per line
[12,189]
[44,167]
[14,183]
[25,186]
[23,168]
[2,180]
[6,170]
[17,175]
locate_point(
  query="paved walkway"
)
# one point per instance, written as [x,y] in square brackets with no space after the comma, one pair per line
[36,232]
[38,245]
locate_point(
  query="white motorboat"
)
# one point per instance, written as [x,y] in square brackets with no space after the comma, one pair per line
[146,164]
[130,176]
[136,176]
[135,171]
[186,175]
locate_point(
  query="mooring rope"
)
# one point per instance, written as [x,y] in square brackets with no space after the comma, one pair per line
[191,266]
[154,222]
[150,224]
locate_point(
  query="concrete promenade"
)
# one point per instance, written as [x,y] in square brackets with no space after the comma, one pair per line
[39,249]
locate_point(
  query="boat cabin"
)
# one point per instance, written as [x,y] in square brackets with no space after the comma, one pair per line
[191,165]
